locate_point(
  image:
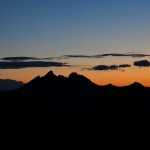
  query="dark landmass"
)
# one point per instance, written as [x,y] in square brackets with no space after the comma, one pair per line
[47,104]
[7,84]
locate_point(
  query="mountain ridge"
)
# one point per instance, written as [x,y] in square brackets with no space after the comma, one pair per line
[9,84]
[56,102]
[75,79]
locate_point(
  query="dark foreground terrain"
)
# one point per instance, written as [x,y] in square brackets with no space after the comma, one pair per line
[47,104]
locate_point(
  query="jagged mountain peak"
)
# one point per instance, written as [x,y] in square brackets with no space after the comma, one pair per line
[75,81]
[50,74]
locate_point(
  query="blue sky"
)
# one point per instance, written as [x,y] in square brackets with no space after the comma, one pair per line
[42,28]
[52,28]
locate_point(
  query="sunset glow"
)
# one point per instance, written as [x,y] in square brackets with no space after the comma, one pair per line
[78,35]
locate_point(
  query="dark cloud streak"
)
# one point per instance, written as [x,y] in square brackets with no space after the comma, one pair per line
[19,58]
[30,64]
[75,56]
[134,55]
[124,66]
[112,67]
[13,59]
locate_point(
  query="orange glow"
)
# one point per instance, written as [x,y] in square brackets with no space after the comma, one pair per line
[121,78]
[115,77]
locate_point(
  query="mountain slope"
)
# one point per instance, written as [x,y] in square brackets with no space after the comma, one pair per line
[7,84]
[51,102]
[51,82]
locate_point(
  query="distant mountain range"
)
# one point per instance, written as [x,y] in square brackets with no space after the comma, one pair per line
[74,80]
[7,84]
[55,102]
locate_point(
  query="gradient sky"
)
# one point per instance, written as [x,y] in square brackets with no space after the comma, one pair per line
[52,28]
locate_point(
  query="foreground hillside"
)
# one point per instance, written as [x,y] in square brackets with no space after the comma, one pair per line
[49,103]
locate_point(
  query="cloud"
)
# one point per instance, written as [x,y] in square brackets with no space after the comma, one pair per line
[24,58]
[112,67]
[124,66]
[126,55]
[19,58]
[134,55]
[75,56]
[104,67]
[142,63]
[29,64]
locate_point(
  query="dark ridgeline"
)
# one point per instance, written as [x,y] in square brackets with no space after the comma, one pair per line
[7,84]
[54,102]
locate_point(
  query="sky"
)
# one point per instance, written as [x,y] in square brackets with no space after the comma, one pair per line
[54,28]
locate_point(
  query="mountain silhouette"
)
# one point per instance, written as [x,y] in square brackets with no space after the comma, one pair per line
[53,83]
[136,85]
[7,84]
[55,102]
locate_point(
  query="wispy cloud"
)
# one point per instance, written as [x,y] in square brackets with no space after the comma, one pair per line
[142,63]
[134,55]
[24,58]
[24,62]
[19,58]
[29,64]
[75,56]
[125,55]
